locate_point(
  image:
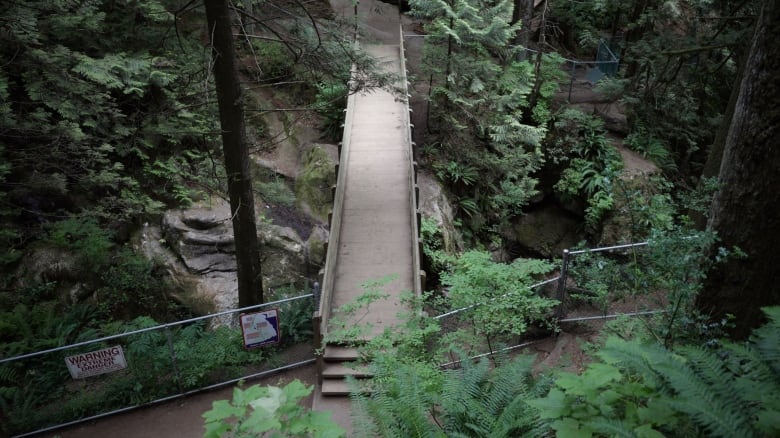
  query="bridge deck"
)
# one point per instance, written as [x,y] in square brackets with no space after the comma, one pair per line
[376,228]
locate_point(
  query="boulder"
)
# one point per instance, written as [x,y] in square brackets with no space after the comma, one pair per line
[196,247]
[435,204]
[317,176]
[544,232]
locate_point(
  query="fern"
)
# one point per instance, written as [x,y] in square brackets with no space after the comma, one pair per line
[731,392]
[420,400]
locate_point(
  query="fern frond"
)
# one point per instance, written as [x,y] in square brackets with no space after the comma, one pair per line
[713,372]
[696,398]
[766,339]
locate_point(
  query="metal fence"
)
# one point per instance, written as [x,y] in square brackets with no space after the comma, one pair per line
[566,289]
[172,360]
[163,362]
[606,64]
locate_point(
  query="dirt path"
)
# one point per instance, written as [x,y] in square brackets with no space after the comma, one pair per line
[177,418]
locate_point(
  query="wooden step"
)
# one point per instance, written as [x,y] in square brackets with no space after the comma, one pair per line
[336,370]
[340,387]
[337,353]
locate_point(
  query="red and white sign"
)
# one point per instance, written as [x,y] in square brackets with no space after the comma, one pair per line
[96,362]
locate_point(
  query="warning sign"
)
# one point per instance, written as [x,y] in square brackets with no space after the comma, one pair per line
[260,328]
[96,362]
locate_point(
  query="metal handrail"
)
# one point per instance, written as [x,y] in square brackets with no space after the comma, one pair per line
[416,265]
[149,329]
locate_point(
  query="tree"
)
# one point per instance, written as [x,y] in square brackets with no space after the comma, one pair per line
[234,147]
[744,210]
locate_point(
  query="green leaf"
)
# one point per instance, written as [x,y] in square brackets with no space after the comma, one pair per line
[599,374]
[569,428]
[552,406]
[647,431]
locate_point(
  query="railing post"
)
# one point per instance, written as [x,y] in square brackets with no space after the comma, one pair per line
[562,283]
[169,336]
[573,74]
[317,292]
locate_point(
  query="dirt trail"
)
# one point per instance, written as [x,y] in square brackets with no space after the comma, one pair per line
[177,418]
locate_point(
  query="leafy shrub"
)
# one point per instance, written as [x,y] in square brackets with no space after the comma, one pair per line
[268,411]
[330,102]
[593,163]
[646,390]
[90,243]
[296,322]
[131,287]
[505,303]
[276,63]
[643,141]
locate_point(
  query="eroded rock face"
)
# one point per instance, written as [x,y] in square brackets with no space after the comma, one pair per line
[434,204]
[317,176]
[197,248]
[545,232]
[202,237]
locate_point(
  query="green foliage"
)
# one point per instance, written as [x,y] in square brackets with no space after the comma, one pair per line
[90,243]
[296,324]
[331,100]
[268,412]
[646,390]
[593,166]
[345,322]
[479,109]
[275,61]
[422,400]
[315,180]
[670,268]
[277,192]
[505,303]
[433,245]
[29,328]
[101,117]
[649,146]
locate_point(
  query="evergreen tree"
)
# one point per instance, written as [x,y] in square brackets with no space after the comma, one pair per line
[744,210]
[234,146]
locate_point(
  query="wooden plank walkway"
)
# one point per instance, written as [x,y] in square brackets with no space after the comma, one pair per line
[377,229]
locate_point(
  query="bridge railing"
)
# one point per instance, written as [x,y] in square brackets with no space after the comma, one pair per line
[328,273]
[414,196]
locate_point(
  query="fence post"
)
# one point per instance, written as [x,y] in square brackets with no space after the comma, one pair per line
[169,336]
[573,73]
[562,283]
[317,293]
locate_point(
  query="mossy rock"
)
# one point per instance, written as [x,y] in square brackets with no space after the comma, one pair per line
[313,186]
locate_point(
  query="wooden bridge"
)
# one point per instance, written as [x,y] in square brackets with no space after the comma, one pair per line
[374,224]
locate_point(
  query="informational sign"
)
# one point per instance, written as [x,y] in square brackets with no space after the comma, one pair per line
[96,362]
[261,328]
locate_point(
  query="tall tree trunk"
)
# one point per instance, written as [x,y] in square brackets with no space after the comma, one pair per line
[523,10]
[533,97]
[635,34]
[744,212]
[234,147]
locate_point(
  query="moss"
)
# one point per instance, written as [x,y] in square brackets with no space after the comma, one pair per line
[313,186]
